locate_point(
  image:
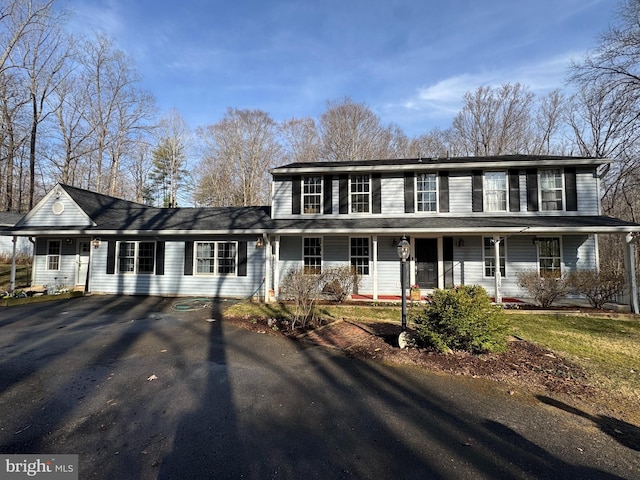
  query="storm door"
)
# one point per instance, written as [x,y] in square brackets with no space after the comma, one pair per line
[84,251]
[426,262]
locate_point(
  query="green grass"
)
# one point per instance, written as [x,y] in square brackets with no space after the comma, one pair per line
[607,348]
[23,276]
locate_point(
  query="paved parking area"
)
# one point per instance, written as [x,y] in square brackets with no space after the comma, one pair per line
[140,390]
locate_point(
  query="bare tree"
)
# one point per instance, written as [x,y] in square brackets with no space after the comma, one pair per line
[352,131]
[301,140]
[238,152]
[494,121]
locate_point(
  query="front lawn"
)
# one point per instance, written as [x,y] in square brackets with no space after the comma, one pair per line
[606,348]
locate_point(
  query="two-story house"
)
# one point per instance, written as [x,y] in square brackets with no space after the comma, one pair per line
[470,220]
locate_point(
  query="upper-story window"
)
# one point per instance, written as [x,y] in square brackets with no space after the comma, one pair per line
[551,188]
[427,192]
[495,191]
[311,194]
[360,189]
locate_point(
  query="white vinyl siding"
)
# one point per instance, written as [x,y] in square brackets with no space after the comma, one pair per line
[460,193]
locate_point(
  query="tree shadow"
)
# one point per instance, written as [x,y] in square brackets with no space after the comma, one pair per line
[622,432]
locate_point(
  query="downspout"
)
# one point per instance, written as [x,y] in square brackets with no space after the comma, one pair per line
[631,241]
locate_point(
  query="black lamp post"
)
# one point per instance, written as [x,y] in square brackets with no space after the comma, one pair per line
[403,254]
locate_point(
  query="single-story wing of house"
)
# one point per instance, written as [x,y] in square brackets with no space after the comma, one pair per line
[468,220]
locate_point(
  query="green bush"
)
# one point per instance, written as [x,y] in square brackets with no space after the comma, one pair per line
[461,318]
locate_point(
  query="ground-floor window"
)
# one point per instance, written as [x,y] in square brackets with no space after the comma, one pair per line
[312,255]
[489,253]
[216,258]
[136,257]
[549,257]
[360,255]
[54,248]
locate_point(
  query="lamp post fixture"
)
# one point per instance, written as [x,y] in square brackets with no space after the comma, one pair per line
[403,254]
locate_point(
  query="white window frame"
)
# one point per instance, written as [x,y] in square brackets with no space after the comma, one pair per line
[136,257]
[554,271]
[54,256]
[360,262]
[495,191]
[367,193]
[555,189]
[216,258]
[492,257]
[418,191]
[315,267]
[311,194]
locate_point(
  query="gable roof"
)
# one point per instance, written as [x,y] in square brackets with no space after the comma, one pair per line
[438,163]
[114,215]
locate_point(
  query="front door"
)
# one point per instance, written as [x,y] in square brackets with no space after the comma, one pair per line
[84,250]
[427,262]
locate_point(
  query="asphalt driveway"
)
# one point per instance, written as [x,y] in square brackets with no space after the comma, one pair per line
[139,389]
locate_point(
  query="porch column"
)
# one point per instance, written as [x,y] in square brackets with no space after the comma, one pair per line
[374,252]
[631,256]
[440,246]
[276,266]
[267,267]
[12,278]
[497,277]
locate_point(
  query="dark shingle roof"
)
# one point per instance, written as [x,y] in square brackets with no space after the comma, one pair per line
[110,213]
[9,219]
[456,224]
[445,162]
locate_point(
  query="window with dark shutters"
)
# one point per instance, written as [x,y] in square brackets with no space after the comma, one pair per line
[160,257]
[477,193]
[570,189]
[327,192]
[111,257]
[409,181]
[296,181]
[188,257]
[444,191]
[532,190]
[514,190]
[343,193]
[376,196]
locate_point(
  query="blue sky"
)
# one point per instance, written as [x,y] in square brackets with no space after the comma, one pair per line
[410,61]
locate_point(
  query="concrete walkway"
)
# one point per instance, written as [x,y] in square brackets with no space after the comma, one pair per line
[141,390]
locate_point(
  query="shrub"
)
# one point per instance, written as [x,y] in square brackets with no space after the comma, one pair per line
[462,318]
[303,289]
[598,287]
[339,282]
[545,288]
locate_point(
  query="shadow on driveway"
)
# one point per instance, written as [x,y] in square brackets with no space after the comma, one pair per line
[141,390]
